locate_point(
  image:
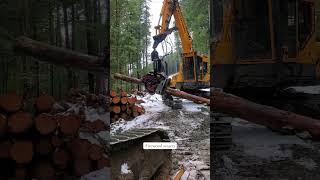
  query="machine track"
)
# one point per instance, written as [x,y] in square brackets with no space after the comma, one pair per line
[221,132]
[307,104]
[126,147]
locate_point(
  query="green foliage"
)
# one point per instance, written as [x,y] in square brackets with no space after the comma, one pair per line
[318,19]
[196,14]
[43,20]
[130,38]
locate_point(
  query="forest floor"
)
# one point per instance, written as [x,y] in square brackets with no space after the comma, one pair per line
[189,127]
[259,154]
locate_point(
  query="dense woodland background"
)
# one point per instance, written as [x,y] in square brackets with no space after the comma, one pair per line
[80,25]
[318,19]
[131,37]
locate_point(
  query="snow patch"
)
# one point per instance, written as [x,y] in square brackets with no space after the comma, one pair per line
[153,103]
[206,90]
[307,89]
[153,106]
[190,106]
[125,169]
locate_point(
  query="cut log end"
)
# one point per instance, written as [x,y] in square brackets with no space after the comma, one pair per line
[113,93]
[124,100]
[11,102]
[116,100]
[70,125]
[116,109]
[20,122]
[22,152]
[45,124]
[44,103]
[132,100]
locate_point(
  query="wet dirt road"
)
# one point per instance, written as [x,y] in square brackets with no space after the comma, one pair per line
[260,154]
[189,127]
[191,130]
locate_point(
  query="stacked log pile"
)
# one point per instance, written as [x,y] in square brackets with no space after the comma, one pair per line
[54,141]
[124,106]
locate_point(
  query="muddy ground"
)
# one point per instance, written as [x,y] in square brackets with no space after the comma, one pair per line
[189,127]
[191,131]
[260,154]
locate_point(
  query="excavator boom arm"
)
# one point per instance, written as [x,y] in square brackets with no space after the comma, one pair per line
[172,8]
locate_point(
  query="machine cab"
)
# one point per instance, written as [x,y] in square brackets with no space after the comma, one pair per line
[269,41]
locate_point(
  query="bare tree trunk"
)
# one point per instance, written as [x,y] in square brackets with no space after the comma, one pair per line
[66,25]
[88,14]
[117,43]
[146,51]
[51,38]
[100,80]
[59,56]
[58,27]
[73,39]
[67,40]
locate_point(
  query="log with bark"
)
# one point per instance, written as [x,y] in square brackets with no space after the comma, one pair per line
[45,124]
[20,122]
[260,114]
[44,103]
[127,78]
[264,115]
[10,102]
[60,56]
[22,152]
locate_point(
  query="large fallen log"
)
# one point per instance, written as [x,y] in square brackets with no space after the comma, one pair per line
[170,91]
[127,78]
[264,115]
[60,56]
[184,95]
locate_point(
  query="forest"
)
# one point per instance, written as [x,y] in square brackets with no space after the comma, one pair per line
[79,25]
[318,19]
[131,39]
